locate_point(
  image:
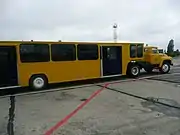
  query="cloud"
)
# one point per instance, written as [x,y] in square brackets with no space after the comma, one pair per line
[154,22]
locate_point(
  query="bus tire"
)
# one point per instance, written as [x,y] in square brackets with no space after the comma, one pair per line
[165,68]
[38,82]
[134,70]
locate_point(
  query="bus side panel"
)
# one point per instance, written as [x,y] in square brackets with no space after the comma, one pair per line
[60,71]
[125,57]
[87,69]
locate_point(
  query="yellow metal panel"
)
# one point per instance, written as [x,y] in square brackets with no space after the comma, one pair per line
[65,71]
[125,54]
[60,71]
[125,57]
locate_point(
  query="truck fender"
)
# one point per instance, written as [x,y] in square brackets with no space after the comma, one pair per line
[133,63]
[161,63]
[168,61]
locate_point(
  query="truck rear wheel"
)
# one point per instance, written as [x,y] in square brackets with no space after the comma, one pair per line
[165,68]
[134,70]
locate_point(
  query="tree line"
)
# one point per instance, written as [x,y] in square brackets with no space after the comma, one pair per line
[170,49]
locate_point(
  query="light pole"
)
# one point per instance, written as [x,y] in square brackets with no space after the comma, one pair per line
[115,32]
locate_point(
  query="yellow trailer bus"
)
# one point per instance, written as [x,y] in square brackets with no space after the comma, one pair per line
[39,63]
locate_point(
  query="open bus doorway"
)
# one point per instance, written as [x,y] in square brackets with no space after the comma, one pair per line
[8,66]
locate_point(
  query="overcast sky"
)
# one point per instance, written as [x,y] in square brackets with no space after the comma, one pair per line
[154,21]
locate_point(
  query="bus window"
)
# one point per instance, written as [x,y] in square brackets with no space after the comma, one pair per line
[63,52]
[132,51]
[34,53]
[112,53]
[139,50]
[87,52]
[145,50]
[3,57]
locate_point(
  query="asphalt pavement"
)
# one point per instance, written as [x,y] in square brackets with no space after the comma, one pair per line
[173,76]
[119,108]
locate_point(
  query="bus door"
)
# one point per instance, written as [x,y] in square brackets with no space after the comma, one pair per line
[8,66]
[111,60]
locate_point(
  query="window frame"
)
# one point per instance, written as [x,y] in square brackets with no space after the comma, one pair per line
[73,52]
[142,50]
[79,52]
[31,53]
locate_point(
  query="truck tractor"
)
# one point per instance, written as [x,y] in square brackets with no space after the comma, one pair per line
[151,59]
[155,60]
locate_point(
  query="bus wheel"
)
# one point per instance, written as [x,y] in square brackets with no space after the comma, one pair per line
[38,82]
[165,68]
[134,70]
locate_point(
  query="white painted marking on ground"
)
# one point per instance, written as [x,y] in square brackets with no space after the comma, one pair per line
[175,67]
[9,87]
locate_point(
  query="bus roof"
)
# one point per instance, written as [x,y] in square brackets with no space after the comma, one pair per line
[74,42]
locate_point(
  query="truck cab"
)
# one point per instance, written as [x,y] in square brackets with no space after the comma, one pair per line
[154,59]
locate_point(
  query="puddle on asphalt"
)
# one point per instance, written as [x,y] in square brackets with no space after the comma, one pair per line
[64,96]
[83,99]
[169,111]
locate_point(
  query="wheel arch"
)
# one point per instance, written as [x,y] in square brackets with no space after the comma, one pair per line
[165,61]
[39,74]
[132,63]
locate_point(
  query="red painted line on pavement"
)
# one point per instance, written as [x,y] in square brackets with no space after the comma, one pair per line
[64,120]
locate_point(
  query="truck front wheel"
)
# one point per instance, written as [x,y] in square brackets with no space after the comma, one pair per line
[165,68]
